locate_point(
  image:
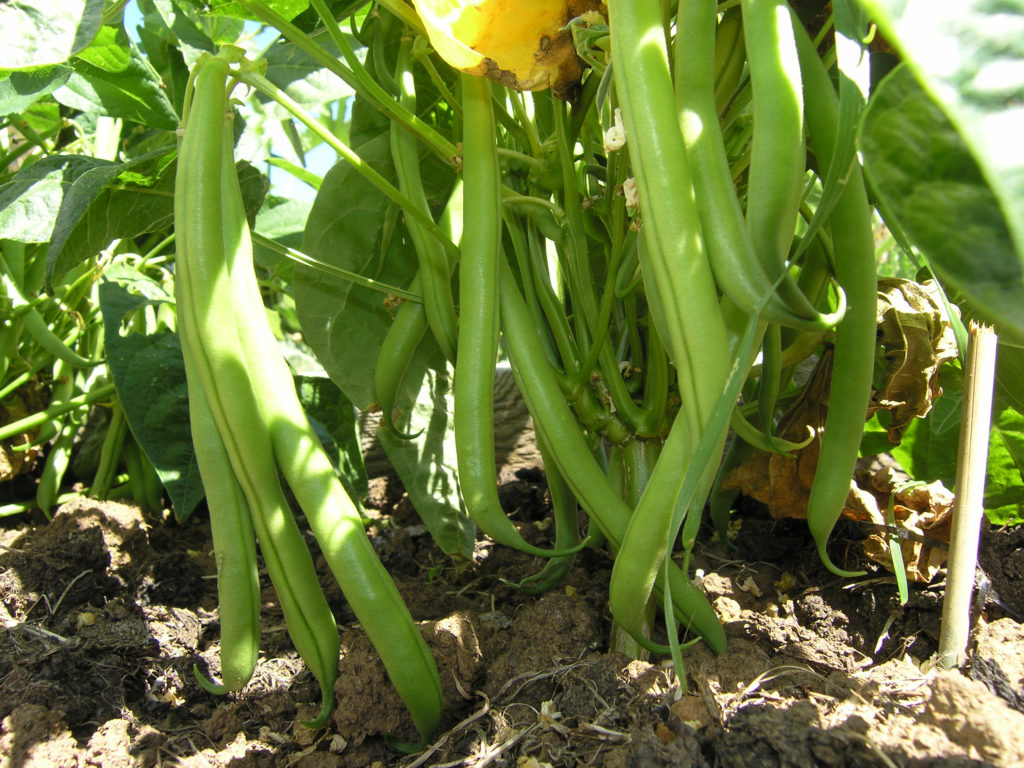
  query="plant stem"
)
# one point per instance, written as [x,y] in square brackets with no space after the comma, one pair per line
[358,77]
[36,419]
[264,86]
[979,379]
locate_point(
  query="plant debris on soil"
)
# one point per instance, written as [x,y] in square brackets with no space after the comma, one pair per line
[105,613]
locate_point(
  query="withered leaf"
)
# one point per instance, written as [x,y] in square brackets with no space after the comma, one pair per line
[917,339]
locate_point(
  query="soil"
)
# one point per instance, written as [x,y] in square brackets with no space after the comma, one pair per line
[106,611]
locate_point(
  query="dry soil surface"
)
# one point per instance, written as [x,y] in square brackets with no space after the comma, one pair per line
[105,612]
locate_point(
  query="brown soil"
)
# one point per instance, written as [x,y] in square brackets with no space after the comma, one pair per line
[105,612]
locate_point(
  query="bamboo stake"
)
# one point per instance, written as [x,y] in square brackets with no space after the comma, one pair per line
[975,421]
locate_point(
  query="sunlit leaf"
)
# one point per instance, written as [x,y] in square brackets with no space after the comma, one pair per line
[929,181]
[133,93]
[969,55]
[19,90]
[30,202]
[38,33]
[1004,480]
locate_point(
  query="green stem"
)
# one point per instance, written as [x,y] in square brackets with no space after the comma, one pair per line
[358,78]
[98,394]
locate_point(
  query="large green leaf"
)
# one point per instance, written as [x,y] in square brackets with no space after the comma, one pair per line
[348,227]
[426,464]
[118,81]
[920,166]
[19,90]
[969,55]
[32,199]
[124,200]
[1004,480]
[149,373]
[38,33]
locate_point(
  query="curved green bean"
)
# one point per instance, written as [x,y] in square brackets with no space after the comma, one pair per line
[330,512]
[434,271]
[777,155]
[203,294]
[478,322]
[853,361]
[731,246]
[234,546]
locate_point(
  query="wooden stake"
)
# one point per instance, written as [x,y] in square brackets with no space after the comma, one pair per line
[975,423]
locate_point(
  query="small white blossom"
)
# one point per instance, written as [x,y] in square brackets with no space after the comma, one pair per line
[615,137]
[629,192]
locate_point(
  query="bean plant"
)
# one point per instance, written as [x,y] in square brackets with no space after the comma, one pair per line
[653,212]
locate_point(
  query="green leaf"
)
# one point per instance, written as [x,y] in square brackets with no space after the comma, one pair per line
[1010,377]
[178,25]
[146,200]
[427,464]
[1004,478]
[297,74]
[336,422]
[343,323]
[39,33]
[281,220]
[164,53]
[289,9]
[132,93]
[19,90]
[110,51]
[929,448]
[149,373]
[133,199]
[969,55]
[32,199]
[929,181]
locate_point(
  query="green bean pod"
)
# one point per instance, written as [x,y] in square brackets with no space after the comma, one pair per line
[110,452]
[478,323]
[61,390]
[732,251]
[853,361]
[396,352]
[58,459]
[771,376]
[330,512]
[208,326]
[676,273]
[434,271]
[35,326]
[778,157]
[730,56]
[565,512]
[234,546]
